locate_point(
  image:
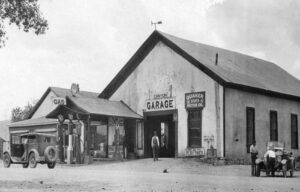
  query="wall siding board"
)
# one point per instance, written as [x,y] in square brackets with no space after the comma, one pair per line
[236,103]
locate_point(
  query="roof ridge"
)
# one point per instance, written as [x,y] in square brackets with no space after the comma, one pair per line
[215,47]
[66,89]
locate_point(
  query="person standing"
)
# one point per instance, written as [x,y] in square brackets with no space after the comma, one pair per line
[270,156]
[253,152]
[155,146]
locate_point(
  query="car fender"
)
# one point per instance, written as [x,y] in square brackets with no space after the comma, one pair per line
[6,152]
[36,153]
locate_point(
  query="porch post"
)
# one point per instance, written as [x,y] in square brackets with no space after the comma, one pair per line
[70,147]
[87,155]
[59,142]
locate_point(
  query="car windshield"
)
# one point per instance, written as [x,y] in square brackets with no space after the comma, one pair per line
[276,145]
[28,139]
[16,139]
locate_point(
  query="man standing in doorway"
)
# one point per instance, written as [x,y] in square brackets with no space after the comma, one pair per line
[155,146]
[253,152]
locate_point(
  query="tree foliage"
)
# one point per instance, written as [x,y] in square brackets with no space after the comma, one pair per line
[19,114]
[23,13]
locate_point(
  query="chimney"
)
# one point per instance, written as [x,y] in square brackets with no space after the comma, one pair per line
[216,62]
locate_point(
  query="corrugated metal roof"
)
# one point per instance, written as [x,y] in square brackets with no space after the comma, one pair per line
[62,92]
[104,107]
[240,69]
[33,122]
[233,69]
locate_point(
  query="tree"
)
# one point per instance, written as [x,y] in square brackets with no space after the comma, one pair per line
[23,13]
[19,114]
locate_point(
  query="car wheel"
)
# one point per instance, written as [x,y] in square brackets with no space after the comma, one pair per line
[6,160]
[50,154]
[32,160]
[25,165]
[51,165]
[257,171]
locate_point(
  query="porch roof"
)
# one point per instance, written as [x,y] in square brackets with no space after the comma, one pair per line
[94,106]
[33,122]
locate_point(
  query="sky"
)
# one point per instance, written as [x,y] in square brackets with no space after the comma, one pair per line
[88,42]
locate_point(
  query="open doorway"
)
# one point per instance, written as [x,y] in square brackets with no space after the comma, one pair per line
[164,126]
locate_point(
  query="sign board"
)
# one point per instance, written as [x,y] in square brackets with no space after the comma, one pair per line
[195,100]
[160,104]
[194,152]
[212,153]
[59,101]
[161,95]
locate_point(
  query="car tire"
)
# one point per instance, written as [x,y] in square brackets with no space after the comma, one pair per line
[6,160]
[32,160]
[51,165]
[257,171]
[25,165]
[50,154]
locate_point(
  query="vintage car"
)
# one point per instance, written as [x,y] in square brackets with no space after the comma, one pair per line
[29,149]
[284,161]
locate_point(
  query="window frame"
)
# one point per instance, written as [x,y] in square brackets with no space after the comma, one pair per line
[294,144]
[275,134]
[249,142]
[190,145]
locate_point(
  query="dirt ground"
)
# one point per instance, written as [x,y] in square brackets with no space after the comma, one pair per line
[142,175]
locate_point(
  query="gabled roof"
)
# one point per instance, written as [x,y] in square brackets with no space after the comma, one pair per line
[96,106]
[61,92]
[99,106]
[233,69]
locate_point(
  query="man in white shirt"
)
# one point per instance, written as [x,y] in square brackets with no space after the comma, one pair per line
[253,152]
[155,146]
[270,157]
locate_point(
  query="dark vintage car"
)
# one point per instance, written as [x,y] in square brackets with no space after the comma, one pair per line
[284,161]
[29,149]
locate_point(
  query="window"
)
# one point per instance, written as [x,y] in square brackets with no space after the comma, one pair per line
[139,134]
[15,139]
[294,131]
[273,126]
[195,128]
[250,126]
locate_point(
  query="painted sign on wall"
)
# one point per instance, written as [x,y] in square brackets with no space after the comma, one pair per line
[195,100]
[160,104]
[59,101]
[194,152]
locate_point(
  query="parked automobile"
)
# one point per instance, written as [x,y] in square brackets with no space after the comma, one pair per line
[284,161]
[29,149]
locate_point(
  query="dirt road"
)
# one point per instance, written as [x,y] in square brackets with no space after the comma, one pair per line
[142,175]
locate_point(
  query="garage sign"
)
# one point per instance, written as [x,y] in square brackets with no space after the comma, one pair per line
[195,100]
[160,104]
